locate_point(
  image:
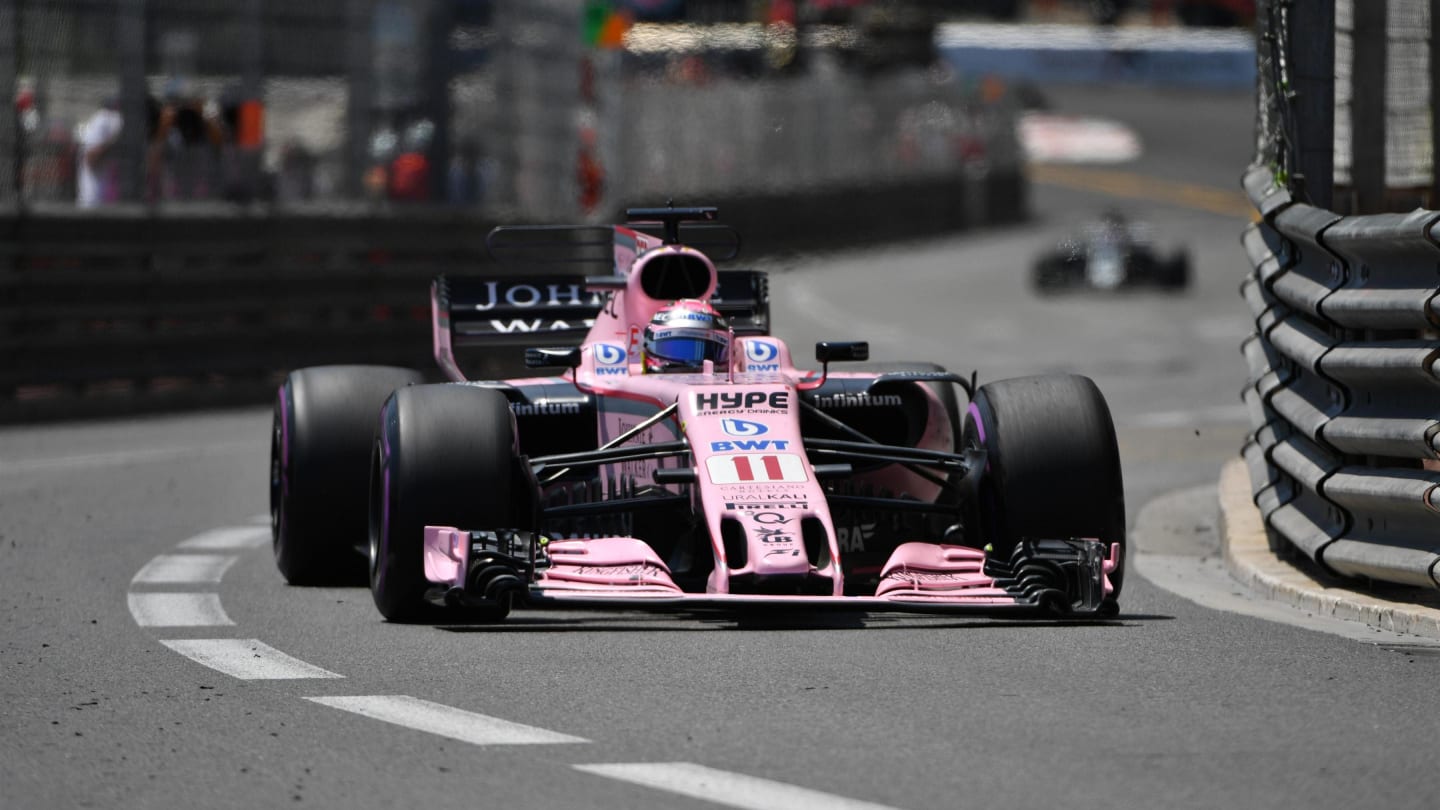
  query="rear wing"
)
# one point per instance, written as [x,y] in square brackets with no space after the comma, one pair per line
[537,296]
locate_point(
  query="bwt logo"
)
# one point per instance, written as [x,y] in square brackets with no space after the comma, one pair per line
[749,444]
[747,400]
[741,427]
[762,355]
[686,315]
[609,359]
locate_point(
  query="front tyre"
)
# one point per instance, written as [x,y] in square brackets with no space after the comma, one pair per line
[1052,465]
[319,469]
[444,456]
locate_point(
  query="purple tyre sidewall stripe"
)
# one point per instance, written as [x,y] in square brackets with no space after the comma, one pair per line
[382,543]
[282,514]
[979,424]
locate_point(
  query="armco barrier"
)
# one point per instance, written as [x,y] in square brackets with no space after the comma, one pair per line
[125,311]
[1344,392]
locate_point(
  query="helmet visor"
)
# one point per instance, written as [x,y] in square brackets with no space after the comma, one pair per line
[688,346]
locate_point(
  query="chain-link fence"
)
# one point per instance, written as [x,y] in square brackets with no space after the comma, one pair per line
[1403,26]
[546,109]
[803,133]
[242,101]
[1347,95]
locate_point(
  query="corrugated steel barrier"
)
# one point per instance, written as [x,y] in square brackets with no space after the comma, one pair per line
[1344,393]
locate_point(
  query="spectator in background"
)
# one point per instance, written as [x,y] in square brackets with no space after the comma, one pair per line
[186,145]
[465,182]
[590,174]
[384,143]
[27,110]
[242,126]
[97,166]
[409,178]
[295,180]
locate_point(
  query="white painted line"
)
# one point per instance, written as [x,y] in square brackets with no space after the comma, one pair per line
[178,610]
[119,458]
[184,569]
[446,721]
[246,658]
[1205,581]
[722,787]
[232,538]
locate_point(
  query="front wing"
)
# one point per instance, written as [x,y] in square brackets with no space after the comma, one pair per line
[1057,577]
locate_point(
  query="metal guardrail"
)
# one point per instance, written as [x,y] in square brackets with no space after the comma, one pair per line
[1344,388]
[125,310]
[129,312]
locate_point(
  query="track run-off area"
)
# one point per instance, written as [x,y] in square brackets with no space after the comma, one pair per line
[153,657]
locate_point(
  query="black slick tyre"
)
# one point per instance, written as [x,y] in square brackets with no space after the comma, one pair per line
[444,456]
[321,434]
[1177,271]
[1048,276]
[1052,464]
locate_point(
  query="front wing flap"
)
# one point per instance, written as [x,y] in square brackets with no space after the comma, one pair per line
[1055,577]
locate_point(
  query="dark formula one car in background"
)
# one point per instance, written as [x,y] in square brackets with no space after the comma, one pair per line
[681,461]
[1107,254]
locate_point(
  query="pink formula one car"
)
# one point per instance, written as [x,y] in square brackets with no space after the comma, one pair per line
[681,461]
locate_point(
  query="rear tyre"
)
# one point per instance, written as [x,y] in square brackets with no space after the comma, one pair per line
[320,441]
[1048,276]
[1177,271]
[1058,274]
[1052,465]
[444,456]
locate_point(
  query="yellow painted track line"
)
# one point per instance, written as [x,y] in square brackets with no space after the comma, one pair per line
[1140,187]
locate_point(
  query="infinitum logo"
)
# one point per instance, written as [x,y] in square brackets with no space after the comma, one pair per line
[856,400]
[546,408]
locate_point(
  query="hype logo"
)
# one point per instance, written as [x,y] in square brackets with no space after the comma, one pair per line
[762,355]
[743,428]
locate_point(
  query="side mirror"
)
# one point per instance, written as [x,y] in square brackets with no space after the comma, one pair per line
[841,351]
[567,356]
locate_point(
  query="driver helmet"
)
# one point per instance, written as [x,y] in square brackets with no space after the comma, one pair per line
[683,335]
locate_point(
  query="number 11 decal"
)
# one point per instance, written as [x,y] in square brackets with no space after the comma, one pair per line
[746,468]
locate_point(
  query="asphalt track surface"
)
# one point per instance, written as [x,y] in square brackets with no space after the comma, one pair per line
[109,530]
